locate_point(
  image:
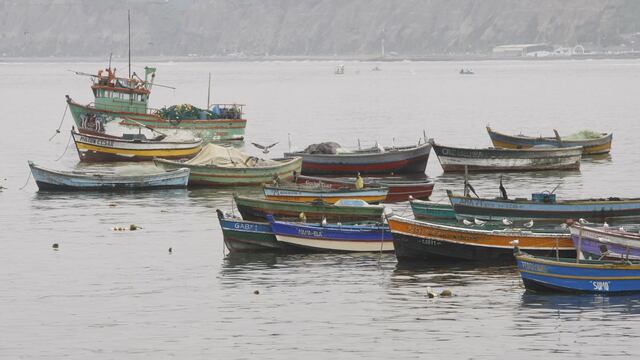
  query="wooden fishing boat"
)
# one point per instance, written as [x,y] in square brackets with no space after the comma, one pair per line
[344,210]
[48,179]
[592,144]
[566,275]
[124,102]
[544,207]
[247,236]
[605,242]
[302,193]
[226,166]
[398,190]
[131,147]
[416,240]
[428,210]
[376,160]
[333,237]
[454,159]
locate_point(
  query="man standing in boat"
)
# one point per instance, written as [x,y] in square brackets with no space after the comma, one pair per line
[359,182]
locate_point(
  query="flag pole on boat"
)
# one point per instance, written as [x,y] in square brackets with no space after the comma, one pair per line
[129,25]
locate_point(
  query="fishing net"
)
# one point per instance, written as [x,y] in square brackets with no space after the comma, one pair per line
[329,147]
[584,135]
[189,112]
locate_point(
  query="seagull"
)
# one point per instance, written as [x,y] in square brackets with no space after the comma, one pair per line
[605,225]
[479,222]
[564,225]
[324,221]
[410,197]
[583,221]
[467,222]
[265,149]
[621,228]
[528,224]
[507,222]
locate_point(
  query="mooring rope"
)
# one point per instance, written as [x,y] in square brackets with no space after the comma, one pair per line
[25,184]
[61,121]
[65,148]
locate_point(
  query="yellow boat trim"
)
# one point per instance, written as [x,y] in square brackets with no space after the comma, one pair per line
[332,200]
[588,150]
[151,153]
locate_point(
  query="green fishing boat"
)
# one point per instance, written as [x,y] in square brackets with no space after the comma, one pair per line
[342,211]
[429,210]
[121,103]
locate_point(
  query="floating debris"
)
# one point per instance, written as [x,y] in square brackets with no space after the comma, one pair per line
[446,293]
[113,204]
[134,227]
[256,292]
[170,250]
[55,246]
[430,293]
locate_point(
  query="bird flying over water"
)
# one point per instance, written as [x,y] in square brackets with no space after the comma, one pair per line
[265,149]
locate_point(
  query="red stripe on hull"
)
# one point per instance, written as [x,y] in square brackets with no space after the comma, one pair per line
[409,166]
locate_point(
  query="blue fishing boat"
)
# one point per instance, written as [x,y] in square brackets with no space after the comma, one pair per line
[333,237]
[247,236]
[606,242]
[123,178]
[545,207]
[544,274]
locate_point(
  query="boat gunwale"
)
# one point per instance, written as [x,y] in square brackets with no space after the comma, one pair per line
[283,162]
[107,176]
[604,136]
[569,150]
[192,143]
[364,153]
[559,202]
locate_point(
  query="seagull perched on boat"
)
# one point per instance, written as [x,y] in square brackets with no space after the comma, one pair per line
[507,222]
[467,222]
[564,225]
[324,221]
[479,222]
[528,224]
[265,149]
[583,221]
[605,225]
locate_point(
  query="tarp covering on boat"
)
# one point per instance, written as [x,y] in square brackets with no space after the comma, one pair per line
[584,135]
[329,147]
[212,154]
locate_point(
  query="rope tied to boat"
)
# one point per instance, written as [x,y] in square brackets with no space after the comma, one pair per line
[26,182]
[61,121]
[65,148]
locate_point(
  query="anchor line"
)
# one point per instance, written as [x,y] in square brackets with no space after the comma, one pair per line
[61,121]
[65,148]
[27,182]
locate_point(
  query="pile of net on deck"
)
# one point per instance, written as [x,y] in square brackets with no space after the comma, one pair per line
[190,112]
[583,135]
[331,147]
[224,156]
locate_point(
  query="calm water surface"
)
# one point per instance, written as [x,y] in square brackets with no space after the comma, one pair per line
[107,294]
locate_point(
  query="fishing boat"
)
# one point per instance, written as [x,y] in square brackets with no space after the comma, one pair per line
[429,210]
[399,190]
[304,193]
[605,242]
[48,179]
[220,166]
[247,236]
[375,160]
[344,210]
[592,143]
[333,237]
[132,147]
[453,159]
[544,207]
[567,275]
[421,240]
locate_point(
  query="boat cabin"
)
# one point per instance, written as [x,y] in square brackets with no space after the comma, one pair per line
[544,197]
[121,94]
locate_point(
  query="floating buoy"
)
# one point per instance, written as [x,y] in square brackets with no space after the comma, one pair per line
[446,292]
[170,250]
[256,292]
[134,227]
[55,245]
[430,293]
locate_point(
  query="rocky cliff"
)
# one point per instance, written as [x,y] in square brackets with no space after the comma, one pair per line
[308,27]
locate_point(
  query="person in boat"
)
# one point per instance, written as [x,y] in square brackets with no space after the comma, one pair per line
[359,182]
[276,180]
[302,217]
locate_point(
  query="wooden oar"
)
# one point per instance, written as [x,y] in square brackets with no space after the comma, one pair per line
[148,127]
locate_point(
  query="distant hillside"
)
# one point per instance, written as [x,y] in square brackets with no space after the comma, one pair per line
[308,27]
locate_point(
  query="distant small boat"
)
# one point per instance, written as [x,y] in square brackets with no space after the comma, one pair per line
[565,275]
[302,193]
[605,242]
[247,236]
[424,240]
[466,72]
[592,143]
[220,166]
[131,147]
[342,211]
[544,207]
[399,190]
[333,237]
[375,160]
[339,70]
[453,159]
[429,210]
[48,179]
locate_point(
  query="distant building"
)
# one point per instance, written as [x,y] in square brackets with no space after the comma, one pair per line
[518,50]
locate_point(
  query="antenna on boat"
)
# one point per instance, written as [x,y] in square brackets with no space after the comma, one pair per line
[129,24]
[209,93]
[110,56]
[289,139]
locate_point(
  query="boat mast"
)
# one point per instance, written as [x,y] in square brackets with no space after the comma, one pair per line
[209,93]
[129,24]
